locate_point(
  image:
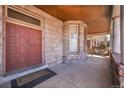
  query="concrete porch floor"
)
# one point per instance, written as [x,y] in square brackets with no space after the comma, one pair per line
[93,73]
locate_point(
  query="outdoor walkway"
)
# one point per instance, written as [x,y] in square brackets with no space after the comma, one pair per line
[95,72]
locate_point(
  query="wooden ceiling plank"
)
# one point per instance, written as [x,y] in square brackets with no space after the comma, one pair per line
[97,17]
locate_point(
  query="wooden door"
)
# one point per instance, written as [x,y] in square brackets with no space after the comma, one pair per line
[34,46]
[23,47]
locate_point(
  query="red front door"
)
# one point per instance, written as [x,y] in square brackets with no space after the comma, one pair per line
[34,46]
[23,47]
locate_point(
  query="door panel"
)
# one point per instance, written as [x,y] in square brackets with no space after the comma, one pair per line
[34,38]
[23,47]
[11,47]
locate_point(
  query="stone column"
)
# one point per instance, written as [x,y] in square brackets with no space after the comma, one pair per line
[1,42]
[90,43]
[122,34]
[111,39]
[121,67]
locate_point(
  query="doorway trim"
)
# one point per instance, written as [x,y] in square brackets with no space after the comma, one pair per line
[15,21]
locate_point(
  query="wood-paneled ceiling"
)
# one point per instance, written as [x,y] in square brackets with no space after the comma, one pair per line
[97,17]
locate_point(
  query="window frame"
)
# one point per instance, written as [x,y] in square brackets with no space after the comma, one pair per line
[77,27]
[25,12]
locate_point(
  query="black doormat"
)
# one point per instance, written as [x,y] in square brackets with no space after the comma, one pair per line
[33,79]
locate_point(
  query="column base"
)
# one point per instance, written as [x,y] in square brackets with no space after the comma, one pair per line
[121,75]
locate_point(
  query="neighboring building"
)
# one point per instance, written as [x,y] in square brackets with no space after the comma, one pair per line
[98,44]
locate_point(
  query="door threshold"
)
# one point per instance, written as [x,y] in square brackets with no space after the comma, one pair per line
[16,74]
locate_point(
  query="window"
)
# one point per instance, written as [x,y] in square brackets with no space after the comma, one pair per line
[73,37]
[20,16]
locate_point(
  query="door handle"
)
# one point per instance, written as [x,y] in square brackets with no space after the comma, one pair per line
[29,45]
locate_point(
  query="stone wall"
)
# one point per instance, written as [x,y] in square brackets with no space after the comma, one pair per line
[53,31]
[53,41]
[81,54]
[53,36]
